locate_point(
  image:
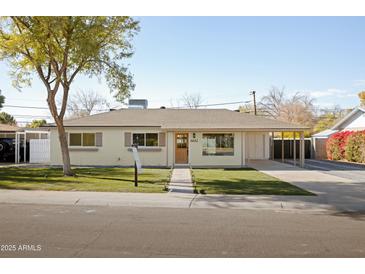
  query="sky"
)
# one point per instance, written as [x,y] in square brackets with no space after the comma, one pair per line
[224,58]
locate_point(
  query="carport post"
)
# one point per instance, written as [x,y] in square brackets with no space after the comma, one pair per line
[301,150]
[294,149]
[272,146]
[16,148]
[282,146]
[25,147]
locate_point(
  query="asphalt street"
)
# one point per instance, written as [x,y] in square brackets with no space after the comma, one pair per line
[105,231]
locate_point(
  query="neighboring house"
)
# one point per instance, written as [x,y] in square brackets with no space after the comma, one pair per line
[353,121]
[167,137]
[7,137]
[15,144]
[8,131]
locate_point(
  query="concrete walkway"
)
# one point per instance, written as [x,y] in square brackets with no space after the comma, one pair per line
[181,181]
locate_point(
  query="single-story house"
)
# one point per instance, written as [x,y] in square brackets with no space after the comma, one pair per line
[353,121]
[169,137]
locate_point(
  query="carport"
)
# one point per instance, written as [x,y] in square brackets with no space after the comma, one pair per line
[7,139]
[294,140]
[38,139]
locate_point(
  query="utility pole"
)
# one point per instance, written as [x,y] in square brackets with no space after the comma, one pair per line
[253,93]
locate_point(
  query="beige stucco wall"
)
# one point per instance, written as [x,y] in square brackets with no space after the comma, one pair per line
[111,153]
[257,145]
[196,157]
[171,148]
[114,153]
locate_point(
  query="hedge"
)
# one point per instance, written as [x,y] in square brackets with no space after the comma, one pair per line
[336,144]
[347,145]
[355,147]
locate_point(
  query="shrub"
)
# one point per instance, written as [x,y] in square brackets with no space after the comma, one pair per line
[362,97]
[355,147]
[336,144]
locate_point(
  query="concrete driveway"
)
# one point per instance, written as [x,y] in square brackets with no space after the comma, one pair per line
[355,172]
[342,193]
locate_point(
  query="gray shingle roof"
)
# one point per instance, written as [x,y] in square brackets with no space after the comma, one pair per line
[181,119]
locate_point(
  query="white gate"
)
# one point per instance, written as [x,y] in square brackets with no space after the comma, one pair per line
[39,151]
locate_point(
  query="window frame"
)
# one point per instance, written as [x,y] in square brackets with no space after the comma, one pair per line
[218,133]
[145,139]
[82,139]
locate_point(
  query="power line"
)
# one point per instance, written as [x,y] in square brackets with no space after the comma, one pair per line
[45,108]
[26,115]
[14,106]
[220,104]
[205,105]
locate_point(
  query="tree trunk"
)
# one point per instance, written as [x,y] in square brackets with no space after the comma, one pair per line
[67,171]
[64,149]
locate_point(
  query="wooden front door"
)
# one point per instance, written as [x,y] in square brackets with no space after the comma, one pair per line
[181,148]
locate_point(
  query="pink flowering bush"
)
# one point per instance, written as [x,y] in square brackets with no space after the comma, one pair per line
[336,145]
[347,145]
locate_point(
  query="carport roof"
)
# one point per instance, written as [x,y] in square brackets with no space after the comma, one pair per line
[178,119]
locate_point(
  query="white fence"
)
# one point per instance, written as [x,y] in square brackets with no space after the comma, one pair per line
[39,151]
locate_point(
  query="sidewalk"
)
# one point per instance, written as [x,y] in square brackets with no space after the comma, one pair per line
[160,200]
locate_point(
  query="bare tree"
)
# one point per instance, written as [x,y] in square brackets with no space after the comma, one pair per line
[192,100]
[84,102]
[272,103]
[298,108]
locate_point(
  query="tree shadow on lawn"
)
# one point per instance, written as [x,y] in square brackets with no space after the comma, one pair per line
[122,180]
[13,178]
[75,180]
[242,186]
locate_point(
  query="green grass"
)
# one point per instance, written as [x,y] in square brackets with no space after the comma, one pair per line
[87,179]
[242,181]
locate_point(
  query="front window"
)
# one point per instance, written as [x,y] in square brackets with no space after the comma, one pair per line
[82,139]
[218,144]
[151,139]
[139,139]
[88,139]
[145,139]
[75,139]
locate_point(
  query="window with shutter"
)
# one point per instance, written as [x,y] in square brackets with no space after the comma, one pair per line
[162,139]
[99,139]
[127,139]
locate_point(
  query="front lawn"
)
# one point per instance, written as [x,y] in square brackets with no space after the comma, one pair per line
[87,179]
[242,181]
